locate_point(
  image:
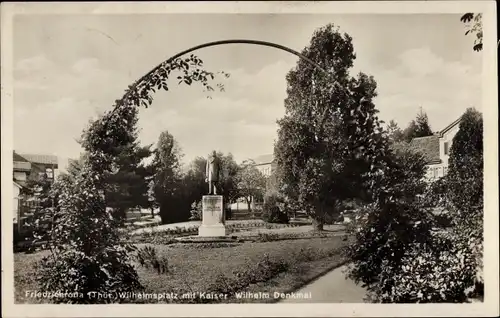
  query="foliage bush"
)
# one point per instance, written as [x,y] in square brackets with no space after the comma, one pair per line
[36,232]
[209,245]
[268,237]
[148,256]
[271,211]
[196,211]
[442,271]
[85,254]
[264,270]
[154,237]
[460,192]
[396,253]
[386,229]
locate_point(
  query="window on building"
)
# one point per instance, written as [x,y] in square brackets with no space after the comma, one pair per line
[446,148]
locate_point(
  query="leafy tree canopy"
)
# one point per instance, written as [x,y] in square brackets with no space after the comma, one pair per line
[330,135]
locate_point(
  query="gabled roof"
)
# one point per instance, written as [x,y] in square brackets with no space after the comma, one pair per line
[428,146]
[41,159]
[449,127]
[264,159]
[18,157]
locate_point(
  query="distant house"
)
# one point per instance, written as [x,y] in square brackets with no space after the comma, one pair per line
[436,149]
[25,168]
[22,169]
[42,164]
[265,164]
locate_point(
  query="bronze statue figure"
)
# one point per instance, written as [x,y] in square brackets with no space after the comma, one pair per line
[212,172]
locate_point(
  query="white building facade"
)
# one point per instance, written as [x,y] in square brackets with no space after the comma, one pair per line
[436,149]
[265,164]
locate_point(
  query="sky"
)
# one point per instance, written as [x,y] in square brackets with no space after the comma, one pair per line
[68,69]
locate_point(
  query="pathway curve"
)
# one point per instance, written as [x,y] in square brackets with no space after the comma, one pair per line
[331,288]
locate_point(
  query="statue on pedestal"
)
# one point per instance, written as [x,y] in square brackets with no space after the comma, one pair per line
[212,173]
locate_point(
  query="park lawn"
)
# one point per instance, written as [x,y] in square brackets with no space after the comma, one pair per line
[197,268]
[25,276]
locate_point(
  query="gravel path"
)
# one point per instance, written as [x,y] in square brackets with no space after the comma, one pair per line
[331,288]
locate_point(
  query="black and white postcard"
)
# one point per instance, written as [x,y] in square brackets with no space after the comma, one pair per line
[249,159]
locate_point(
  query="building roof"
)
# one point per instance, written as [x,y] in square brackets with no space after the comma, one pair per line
[18,157]
[41,159]
[22,166]
[428,146]
[450,126]
[264,159]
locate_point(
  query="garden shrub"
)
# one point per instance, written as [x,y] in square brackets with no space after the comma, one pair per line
[442,271]
[264,270]
[154,237]
[268,237]
[148,256]
[196,211]
[209,245]
[384,230]
[307,254]
[271,211]
[396,253]
[382,234]
[86,252]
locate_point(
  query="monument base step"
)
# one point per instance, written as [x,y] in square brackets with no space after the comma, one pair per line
[209,239]
[212,230]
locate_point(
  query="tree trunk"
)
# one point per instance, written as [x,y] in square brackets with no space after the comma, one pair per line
[152,212]
[249,201]
[317,224]
[318,219]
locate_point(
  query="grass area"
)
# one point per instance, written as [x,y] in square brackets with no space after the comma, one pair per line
[25,276]
[224,268]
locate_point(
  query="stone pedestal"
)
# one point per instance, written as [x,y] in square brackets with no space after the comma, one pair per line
[212,221]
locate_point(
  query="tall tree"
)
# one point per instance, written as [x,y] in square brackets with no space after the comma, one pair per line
[394,133]
[167,176]
[194,180]
[465,176]
[251,183]
[228,179]
[127,183]
[330,133]
[423,127]
[418,128]
[465,183]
